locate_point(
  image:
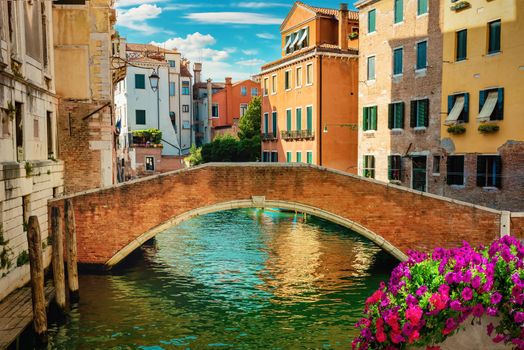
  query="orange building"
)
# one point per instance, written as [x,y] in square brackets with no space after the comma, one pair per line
[310,95]
[230,104]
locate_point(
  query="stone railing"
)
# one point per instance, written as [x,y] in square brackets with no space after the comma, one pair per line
[297,135]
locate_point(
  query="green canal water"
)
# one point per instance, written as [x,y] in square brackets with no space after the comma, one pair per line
[239,279]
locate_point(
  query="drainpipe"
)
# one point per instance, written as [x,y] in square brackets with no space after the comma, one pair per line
[209,109]
[320,111]
[179,97]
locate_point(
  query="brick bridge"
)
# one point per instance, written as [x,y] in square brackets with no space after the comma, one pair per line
[114,221]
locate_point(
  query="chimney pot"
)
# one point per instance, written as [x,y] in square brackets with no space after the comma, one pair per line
[343,6]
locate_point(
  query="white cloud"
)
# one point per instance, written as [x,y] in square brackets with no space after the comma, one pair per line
[128,3]
[251,62]
[267,36]
[261,5]
[250,52]
[177,7]
[136,18]
[233,18]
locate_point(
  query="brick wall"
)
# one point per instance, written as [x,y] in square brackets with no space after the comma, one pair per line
[109,219]
[517,225]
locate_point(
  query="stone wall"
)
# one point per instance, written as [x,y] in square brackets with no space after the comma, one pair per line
[392,216]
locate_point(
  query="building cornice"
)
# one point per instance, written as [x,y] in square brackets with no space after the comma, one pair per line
[363,3]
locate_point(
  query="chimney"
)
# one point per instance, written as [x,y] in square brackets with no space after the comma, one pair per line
[229,81]
[343,27]
[197,69]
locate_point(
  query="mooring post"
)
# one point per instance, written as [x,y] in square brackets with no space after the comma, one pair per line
[72,268]
[36,267]
[58,258]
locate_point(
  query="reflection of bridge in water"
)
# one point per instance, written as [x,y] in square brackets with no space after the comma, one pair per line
[114,221]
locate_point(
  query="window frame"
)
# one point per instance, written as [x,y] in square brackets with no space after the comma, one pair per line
[498,112]
[367,171]
[397,169]
[298,118]
[266,123]
[298,77]
[491,178]
[420,14]
[288,78]
[143,82]
[395,20]
[415,109]
[392,115]
[274,122]
[185,108]
[289,157]
[401,49]
[217,109]
[374,57]
[145,163]
[144,115]
[172,89]
[309,157]
[265,87]
[310,77]
[243,91]
[369,126]
[417,68]
[289,119]
[374,12]
[274,83]
[243,105]
[457,45]
[449,180]
[309,107]
[254,91]
[489,51]
[298,155]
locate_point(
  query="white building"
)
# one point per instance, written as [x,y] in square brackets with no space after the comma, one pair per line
[29,173]
[168,109]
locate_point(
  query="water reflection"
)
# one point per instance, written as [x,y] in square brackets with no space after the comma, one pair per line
[246,279]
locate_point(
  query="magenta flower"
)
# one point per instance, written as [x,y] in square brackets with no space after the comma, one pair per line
[467,294]
[478,310]
[421,291]
[519,317]
[496,298]
[456,305]
[475,282]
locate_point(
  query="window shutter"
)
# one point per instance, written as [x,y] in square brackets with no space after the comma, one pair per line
[288,116]
[274,124]
[426,114]
[481,171]
[402,108]
[391,115]
[482,99]
[451,100]
[466,108]
[399,167]
[498,172]
[413,117]
[365,119]
[500,104]
[390,167]
[374,118]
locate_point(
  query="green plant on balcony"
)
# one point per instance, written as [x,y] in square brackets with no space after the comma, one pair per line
[461,5]
[147,137]
[488,128]
[353,36]
[457,129]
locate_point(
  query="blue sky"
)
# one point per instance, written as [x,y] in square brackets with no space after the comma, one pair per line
[230,37]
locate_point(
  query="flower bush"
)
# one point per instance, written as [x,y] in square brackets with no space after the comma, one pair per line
[429,296]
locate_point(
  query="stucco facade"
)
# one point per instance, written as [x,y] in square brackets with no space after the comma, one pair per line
[309,103]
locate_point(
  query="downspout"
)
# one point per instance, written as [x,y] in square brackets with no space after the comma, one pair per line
[179,97]
[320,111]
[191,112]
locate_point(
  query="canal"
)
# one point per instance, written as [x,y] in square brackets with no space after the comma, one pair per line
[242,279]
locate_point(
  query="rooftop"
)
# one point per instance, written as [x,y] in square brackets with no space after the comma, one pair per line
[148,48]
[353,15]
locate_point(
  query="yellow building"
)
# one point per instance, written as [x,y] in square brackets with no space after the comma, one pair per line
[482,127]
[309,106]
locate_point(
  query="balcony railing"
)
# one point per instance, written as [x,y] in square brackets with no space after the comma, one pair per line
[297,134]
[269,136]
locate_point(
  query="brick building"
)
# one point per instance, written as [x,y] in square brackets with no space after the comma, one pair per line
[400,72]
[309,103]
[482,91]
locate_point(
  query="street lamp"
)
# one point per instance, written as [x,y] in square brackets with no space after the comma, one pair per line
[153,80]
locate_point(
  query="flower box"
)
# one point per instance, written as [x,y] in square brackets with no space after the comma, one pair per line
[462,5]
[456,129]
[488,128]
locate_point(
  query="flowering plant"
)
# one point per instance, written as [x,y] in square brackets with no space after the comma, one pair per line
[429,297]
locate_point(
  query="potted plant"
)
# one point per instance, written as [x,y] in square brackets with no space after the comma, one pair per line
[457,129]
[488,128]
[431,297]
[460,5]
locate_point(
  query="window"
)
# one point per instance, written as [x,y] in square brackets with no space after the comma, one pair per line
[369,120]
[458,109]
[254,91]
[140,81]
[214,111]
[266,123]
[287,79]
[298,77]
[368,166]
[44,36]
[243,109]
[243,91]
[398,58]
[309,118]
[172,89]
[266,83]
[150,163]
[419,178]
[309,74]
[309,157]
[69,2]
[371,68]
[436,165]
[419,113]
[491,105]
[299,157]
[298,117]
[395,168]
[185,88]
[288,120]
[422,55]
[266,156]
[274,84]
[489,171]
[399,11]
[6,125]
[274,157]
[422,7]
[185,108]
[274,124]
[186,124]
[372,21]
[289,157]
[396,115]
[297,40]
[49,128]
[140,116]
[455,173]
[494,36]
[172,63]
[462,45]
[36,128]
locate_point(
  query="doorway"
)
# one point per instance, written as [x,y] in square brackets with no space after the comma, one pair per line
[419,173]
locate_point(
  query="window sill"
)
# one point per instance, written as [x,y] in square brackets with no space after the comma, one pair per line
[398,76]
[490,189]
[311,84]
[422,15]
[369,133]
[396,131]
[461,60]
[298,87]
[435,174]
[458,187]
[493,54]
[395,24]
[371,81]
[421,72]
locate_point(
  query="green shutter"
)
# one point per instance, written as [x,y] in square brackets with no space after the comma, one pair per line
[374,118]
[299,157]
[391,115]
[422,55]
[426,112]
[309,157]
[299,119]
[266,123]
[289,157]
[399,11]
[140,115]
[413,114]
[462,45]
[390,168]
[465,112]
[494,37]
[365,118]
[288,120]
[500,104]
[400,121]
[421,113]
[309,112]
[372,18]
[274,124]
[398,61]
[422,7]
[140,81]
[498,171]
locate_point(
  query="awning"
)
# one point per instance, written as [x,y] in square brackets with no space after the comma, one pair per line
[489,107]
[297,37]
[303,37]
[455,111]
[288,43]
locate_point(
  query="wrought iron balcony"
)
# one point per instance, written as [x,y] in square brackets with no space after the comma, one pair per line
[297,135]
[269,136]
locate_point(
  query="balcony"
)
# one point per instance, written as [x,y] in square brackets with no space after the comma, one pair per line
[290,135]
[269,136]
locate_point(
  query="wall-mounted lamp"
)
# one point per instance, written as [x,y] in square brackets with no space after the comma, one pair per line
[153,80]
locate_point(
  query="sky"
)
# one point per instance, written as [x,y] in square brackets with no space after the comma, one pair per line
[230,37]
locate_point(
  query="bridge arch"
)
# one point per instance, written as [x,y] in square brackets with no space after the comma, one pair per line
[112,221]
[257,203]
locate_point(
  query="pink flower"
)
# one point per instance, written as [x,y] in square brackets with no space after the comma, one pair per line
[467,294]
[519,317]
[478,310]
[414,314]
[490,329]
[450,326]
[475,282]
[414,336]
[396,337]
[496,298]
[381,337]
[420,292]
